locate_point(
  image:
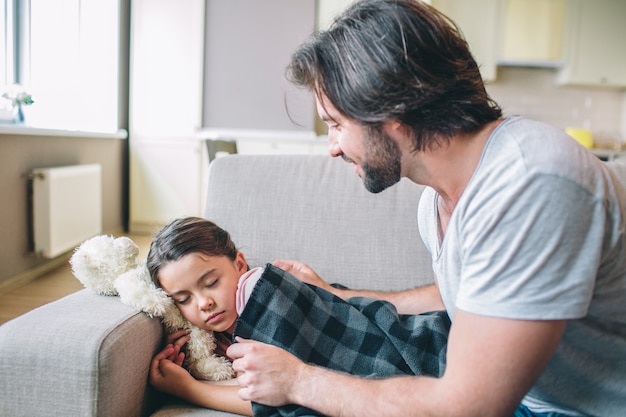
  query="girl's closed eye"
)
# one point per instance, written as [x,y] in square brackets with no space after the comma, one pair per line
[211,283]
[183,300]
[180,299]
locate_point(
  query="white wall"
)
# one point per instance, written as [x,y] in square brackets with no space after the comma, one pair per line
[248,45]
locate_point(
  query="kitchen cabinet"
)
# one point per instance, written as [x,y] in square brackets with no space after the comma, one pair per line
[479,22]
[594,47]
[509,32]
[580,37]
[533,33]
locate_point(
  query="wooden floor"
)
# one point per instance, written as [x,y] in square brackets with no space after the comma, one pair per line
[52,286]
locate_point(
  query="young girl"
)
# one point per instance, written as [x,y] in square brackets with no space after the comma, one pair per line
[198,265]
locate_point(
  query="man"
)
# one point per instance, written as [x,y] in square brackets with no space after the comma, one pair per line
[525,228]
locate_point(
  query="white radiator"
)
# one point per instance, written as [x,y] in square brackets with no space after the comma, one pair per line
[66,207]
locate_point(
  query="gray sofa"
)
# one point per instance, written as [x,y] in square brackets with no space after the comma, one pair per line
[88,355]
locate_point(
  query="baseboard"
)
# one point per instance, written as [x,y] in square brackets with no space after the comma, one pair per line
[144,228]
[32,274]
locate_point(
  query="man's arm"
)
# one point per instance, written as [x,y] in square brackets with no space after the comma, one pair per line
[491,364]
[414,301]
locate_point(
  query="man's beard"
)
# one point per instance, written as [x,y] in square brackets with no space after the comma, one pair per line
[381,164]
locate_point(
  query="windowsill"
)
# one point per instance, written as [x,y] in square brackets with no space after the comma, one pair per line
[256,134]
[8,129]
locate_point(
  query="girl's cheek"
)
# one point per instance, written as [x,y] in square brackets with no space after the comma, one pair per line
[185,311]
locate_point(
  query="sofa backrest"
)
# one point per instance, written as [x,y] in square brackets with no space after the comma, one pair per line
[314,208]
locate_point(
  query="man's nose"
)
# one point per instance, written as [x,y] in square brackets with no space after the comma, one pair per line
[333,146]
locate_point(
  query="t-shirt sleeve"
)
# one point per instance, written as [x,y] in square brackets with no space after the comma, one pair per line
[535,254]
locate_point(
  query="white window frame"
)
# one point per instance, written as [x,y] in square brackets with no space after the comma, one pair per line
[68,58]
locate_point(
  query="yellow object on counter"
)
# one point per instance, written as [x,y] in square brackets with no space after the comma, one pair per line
[582,136]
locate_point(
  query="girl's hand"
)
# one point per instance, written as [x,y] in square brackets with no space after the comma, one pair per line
[171,353]
[178,338]
[166,373]
[168,376]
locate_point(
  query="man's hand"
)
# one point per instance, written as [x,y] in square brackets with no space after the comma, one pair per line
[303,272]
[267,373]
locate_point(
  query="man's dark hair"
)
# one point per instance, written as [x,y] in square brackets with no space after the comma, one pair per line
[397,59]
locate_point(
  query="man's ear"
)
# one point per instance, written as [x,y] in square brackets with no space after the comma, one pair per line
[399,132]
[396,127]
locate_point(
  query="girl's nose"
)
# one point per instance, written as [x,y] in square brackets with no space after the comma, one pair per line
[205,303]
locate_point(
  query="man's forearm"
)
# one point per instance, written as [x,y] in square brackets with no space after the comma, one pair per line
[414,301]
[342,395]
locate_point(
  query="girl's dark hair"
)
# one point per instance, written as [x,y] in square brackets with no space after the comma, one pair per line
[184,236]
[397,59]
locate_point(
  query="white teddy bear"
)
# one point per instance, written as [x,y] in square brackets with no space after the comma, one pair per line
[109,266]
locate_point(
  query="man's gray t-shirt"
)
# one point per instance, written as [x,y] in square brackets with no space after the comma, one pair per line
[538,234]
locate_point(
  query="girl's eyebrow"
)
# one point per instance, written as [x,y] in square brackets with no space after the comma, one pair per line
[198,282]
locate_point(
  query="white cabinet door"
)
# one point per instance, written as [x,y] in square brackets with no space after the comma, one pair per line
[533,32]
[166,60]
[166,181]
[596,54]
[478,20]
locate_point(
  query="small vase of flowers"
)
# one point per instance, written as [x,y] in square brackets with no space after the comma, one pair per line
[15,96]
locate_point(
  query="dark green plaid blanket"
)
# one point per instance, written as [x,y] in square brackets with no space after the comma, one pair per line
[360,336]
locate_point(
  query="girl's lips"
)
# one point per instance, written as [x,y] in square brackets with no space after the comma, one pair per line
[213,318]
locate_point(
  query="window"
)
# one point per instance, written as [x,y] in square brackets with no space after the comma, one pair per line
[67,57]
[6,42]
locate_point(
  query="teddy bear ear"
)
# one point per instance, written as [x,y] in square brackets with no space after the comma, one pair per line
[95,265]
[128,250]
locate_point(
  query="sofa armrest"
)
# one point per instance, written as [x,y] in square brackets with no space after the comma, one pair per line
[83,355]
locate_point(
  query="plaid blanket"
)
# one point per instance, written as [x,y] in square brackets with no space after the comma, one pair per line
[360,336]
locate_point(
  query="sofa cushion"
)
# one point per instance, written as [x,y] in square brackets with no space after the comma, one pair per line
[176,408]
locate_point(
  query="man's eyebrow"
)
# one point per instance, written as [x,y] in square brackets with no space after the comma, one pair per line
[326,118]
